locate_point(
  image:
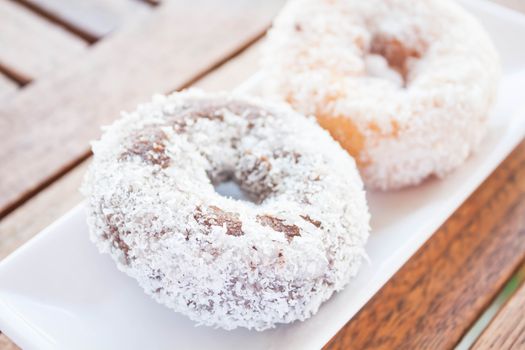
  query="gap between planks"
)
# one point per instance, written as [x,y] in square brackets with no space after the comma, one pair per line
[54,201]
[62,195]
[507,328]
[89,20]
[440,292]
[48,124]
[211,81]
[35,46]
[73,179]
[226,76]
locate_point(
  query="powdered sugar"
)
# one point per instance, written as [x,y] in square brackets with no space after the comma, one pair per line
[224,262]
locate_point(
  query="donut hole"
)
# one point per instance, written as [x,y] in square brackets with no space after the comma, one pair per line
[247,179]
[230,188]
[389,58]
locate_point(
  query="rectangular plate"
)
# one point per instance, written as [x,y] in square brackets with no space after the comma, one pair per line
[58,292]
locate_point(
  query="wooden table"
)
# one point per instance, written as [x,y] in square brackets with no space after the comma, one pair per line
[69,66]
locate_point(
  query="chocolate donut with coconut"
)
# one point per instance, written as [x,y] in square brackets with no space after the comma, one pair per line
[224,262]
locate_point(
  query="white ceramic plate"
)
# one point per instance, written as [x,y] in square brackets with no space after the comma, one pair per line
[58,292]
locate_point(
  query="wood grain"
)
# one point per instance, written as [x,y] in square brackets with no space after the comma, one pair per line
[38,213]
[464,226]
[90,19]
[48,124]
[32,45]
[234,72]
[507,329]
[439,293]
[59,197]
[56,199]
[6,343]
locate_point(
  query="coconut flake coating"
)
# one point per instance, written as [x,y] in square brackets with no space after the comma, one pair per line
[224,262]
[404,86]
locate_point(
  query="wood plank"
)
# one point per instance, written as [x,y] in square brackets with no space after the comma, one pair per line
[6,343]
[518,5]
[32,45]
[34,208]
[54,201]
[48,125]
[7,86]
[38,213]
[234,72]
[439,293]
[90,19]
[507,329]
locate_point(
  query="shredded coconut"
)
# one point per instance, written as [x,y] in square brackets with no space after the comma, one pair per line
[224,262]
[404,86]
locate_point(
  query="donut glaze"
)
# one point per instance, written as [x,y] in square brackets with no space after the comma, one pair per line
[221,261]
[404,86]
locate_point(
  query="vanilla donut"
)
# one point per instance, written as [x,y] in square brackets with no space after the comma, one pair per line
[221,261]
[404,86]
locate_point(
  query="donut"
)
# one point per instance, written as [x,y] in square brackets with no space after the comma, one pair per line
[404,86]
[224,262]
